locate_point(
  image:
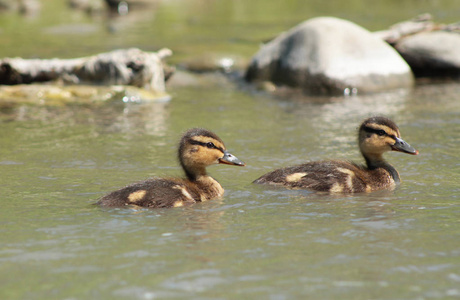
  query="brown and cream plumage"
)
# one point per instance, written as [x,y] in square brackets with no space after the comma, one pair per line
[198,149]
[376,136]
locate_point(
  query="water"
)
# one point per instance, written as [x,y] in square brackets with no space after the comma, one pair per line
[256,242]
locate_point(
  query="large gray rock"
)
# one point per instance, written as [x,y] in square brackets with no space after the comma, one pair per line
[330,56]
[432,54]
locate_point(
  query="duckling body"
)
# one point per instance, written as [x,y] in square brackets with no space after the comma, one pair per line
[377,135]
[198,149]
[330,176]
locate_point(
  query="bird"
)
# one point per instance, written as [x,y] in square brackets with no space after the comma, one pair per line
[198,149]
[376,135]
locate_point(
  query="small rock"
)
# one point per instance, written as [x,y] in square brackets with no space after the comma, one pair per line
[432,54]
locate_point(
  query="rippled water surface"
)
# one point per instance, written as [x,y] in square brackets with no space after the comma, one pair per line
[256,242]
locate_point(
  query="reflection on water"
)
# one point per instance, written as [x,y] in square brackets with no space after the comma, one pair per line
[147,118]
[132,118]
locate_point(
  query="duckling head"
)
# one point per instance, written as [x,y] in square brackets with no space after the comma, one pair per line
[200,148]
[378,135]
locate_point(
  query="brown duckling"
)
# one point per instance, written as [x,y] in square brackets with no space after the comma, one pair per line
[376,136]
[198,148]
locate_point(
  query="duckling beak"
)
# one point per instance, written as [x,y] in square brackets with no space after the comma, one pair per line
[401,146]
[230,159]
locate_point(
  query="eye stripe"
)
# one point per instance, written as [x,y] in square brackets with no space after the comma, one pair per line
[195,142]
[376,131]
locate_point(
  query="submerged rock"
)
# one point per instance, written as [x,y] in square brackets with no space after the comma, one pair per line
[55,95]
[330,56]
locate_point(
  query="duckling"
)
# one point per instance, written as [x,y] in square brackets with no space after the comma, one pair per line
[198,148]
[376,136]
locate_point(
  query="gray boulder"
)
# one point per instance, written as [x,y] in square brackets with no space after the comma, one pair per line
[330,56]
[432,54]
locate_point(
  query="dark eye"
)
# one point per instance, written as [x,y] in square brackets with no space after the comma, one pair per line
[381,132]
[210,145]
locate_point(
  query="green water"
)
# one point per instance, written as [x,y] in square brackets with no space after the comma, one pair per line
[256,242]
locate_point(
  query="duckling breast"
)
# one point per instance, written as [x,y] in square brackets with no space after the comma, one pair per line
[208,188]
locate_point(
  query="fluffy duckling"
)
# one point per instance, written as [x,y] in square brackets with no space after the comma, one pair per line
[198,148]
[377,135]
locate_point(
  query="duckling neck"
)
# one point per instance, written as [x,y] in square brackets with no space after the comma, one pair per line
[377,161]
[209,187]
[194,174]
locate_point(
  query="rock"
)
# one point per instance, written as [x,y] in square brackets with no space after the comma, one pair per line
[126,67]
[90,6]
[119,67]
[423,22]
[432,54]
[28,8]
[431,49]
[330,56]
